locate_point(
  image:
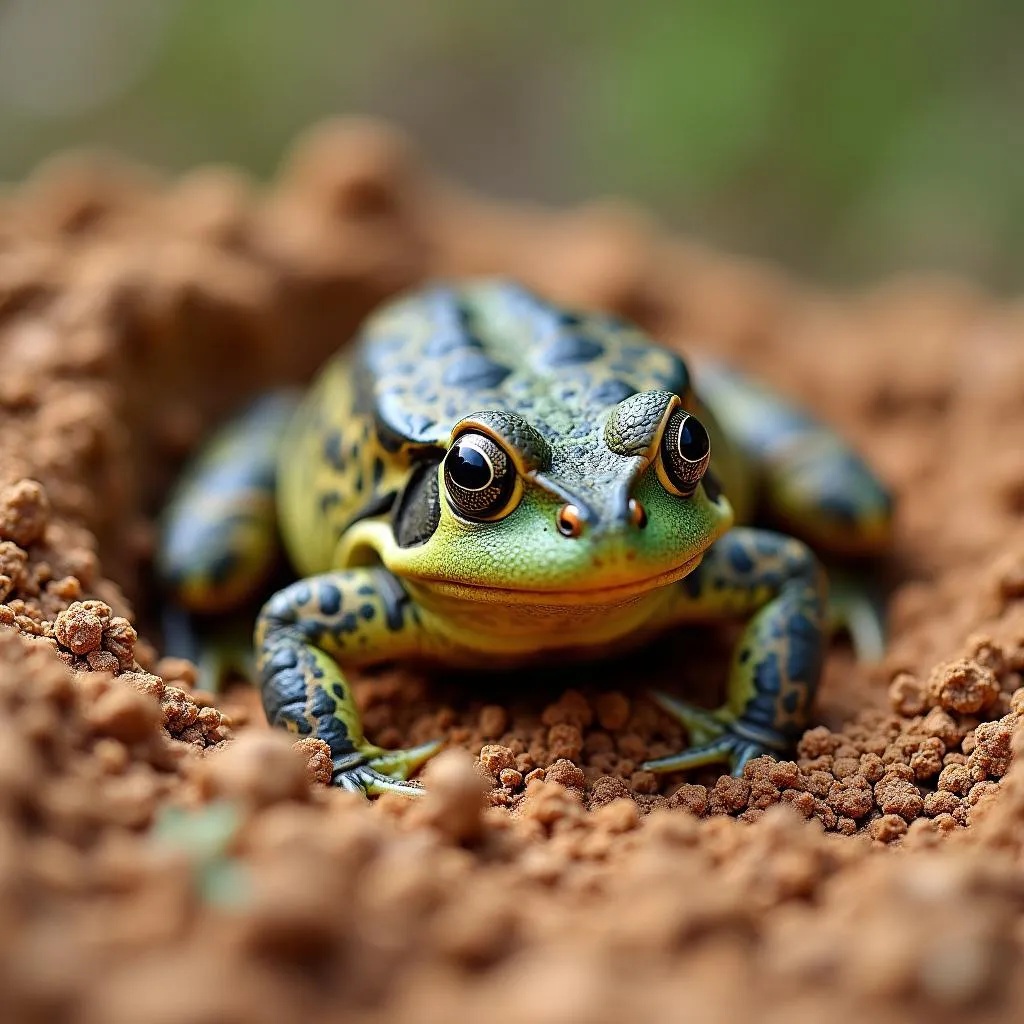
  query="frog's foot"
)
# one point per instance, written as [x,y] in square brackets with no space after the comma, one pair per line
[717,736]
[375,770]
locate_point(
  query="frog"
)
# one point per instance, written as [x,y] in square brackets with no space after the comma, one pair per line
[486,479]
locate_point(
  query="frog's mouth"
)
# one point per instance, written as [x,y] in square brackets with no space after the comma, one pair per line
[583,595]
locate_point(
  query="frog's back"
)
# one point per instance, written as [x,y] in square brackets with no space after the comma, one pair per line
[389,402]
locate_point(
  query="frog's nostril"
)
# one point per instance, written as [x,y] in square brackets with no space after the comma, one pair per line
[637,515]
[570,521]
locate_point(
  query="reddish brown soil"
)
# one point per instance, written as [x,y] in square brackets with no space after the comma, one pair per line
[549,880]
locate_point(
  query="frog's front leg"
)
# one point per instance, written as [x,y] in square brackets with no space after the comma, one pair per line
[777,664]
[303,636]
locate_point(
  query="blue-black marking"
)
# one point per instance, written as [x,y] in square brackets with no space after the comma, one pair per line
[568,349]
[329,597]
[739,559]
[333,454]
[611,392]
[474,369]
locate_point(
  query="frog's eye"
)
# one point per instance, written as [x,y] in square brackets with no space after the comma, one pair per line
[685,453]
[479,477]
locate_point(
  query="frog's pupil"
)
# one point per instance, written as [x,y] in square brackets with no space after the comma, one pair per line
[693,440]
[469,468]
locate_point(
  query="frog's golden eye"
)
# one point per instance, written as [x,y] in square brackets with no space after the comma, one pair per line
[685,453]
[479,477]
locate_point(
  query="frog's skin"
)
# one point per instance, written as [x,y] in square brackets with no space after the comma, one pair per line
[595,539]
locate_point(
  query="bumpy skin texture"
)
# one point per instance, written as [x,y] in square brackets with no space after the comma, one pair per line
[579,405]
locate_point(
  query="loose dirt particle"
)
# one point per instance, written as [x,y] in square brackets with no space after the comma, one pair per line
[24,512]
[565,773]
[496,758]
[888,828]
[963,686]
[906,695]
[79,629]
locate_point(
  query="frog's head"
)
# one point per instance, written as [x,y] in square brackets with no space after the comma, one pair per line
[519,513]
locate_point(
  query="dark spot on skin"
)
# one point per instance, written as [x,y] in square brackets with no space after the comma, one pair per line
[744,656]
[611,392]
[367,611]
[740,560]
[312,631]
[331,729]
[359,481]
[332,451]
[474,369]
[301,593]
[354,450]
[348,623]
[450,340]
[282,659]
[840,508]
[365,590]
[568,349]
[328,501]
[378,470]
[417,425]
[338,689]
[803,661]
[329,599]
[767,678]
[321,705]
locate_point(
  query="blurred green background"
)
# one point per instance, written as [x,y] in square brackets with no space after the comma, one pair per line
[847,139]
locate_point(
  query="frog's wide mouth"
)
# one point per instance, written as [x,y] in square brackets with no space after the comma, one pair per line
[583,594]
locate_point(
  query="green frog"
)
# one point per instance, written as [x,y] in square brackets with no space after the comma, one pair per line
[486,479]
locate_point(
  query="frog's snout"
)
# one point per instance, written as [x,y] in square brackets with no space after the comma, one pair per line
[570,519]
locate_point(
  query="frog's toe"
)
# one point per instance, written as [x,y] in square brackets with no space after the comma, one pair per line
[400,764]
[702,726]
[728,748]
[366,781]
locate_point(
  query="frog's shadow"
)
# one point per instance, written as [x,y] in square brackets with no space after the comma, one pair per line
[691,661]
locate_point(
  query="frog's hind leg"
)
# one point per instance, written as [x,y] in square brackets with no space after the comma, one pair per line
[816,487]
[357,617]
[777,664]
[218,542]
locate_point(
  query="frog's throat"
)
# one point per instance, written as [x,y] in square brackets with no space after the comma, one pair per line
[372,542]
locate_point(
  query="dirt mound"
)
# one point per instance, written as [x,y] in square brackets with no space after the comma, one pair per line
[164,857]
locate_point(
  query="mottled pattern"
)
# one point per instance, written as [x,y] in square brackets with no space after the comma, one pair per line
[305,630]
